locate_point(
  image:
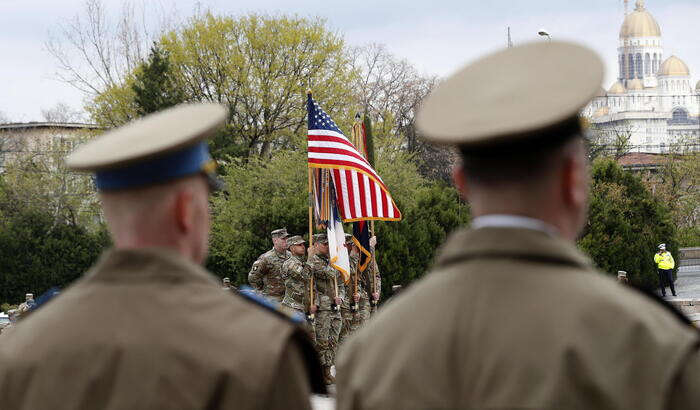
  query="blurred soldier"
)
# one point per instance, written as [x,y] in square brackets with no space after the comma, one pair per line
[514,316]
[266,273]
[328,320]
[227,285]
[147,327]
[27,305]
[296,274]
[664,265]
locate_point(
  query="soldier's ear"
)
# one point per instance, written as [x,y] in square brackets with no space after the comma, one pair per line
[184,211]
[460,181]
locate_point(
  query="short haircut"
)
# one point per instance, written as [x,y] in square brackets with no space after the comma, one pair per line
[528,157]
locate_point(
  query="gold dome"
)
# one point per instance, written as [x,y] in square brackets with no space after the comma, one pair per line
[617,88]
[601,112]
[640,23]
[673,66]
[635,85]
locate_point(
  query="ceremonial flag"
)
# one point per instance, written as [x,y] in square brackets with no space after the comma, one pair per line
[337,252]
[360,193]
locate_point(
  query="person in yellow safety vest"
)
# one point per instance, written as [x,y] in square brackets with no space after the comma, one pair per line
[665,264]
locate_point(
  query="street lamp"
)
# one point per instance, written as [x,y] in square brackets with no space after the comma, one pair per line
[544,33]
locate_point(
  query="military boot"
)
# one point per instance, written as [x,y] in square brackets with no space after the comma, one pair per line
[327,376]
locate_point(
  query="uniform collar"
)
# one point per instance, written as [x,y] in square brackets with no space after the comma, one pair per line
[282,254]
[147,265]
[510,242]
[513,221]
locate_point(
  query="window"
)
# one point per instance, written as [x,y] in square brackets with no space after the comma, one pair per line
[647,64]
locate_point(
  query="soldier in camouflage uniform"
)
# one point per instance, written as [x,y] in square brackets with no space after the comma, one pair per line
[346,308]
[296,274]
[353,320]
[328,320]
[226,285]
[266,274]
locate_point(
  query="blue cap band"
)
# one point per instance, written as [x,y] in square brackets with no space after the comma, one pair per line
[178,164]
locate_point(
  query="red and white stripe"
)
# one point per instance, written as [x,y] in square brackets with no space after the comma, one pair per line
[361,193]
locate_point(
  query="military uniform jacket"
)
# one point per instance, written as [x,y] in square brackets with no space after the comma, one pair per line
[513,318]
[147,329]
[297,275]
[324,274]
[266,273]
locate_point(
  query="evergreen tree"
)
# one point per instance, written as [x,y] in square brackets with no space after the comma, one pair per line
[155,87]
[626,223]
[37,254]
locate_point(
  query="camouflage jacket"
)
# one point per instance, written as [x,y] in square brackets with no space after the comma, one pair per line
[266,273]
[296,274]
[364,286]
[323,277]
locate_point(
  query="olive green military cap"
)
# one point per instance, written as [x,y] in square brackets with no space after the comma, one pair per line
[295,240]
[157,148]
[279,233]
[512,95]
[320,238]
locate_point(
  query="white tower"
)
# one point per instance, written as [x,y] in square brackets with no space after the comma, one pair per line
[640,53]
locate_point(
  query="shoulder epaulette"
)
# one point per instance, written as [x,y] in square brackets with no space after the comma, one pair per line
[277,308]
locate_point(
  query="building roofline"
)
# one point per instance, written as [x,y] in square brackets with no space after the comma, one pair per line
[34,124]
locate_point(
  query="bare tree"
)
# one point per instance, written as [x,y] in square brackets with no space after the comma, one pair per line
[391,90]
[62,112]
[611,140]
[94,52]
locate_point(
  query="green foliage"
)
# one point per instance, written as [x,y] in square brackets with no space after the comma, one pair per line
[406,248]
[155,88]
[267,195]
[37,254]
[260,66]
[6,307]
[626,223]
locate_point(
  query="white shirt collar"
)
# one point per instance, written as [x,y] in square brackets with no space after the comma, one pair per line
[513,221]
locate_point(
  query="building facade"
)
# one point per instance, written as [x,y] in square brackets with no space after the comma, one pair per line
[654,102]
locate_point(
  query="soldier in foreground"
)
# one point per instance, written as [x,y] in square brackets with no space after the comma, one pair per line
[328,320]
[296,274]
[514,316]
[266,273]
[147,327]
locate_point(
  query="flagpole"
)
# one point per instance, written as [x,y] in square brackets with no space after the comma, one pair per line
[310,315]
[369,148]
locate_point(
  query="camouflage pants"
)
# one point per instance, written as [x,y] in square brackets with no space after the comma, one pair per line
[354,320]
[327,324]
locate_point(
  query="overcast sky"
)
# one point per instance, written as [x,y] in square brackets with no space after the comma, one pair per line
[437,37]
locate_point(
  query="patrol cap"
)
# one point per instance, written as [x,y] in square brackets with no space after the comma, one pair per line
[157,148]
[295,240]
[513,95]
[320,238]
[279,233]
[227,280]
[348,238]
[662,246]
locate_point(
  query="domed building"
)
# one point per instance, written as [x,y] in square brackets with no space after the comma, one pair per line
[653,100]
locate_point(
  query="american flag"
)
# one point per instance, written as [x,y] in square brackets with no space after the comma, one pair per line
[361,193]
